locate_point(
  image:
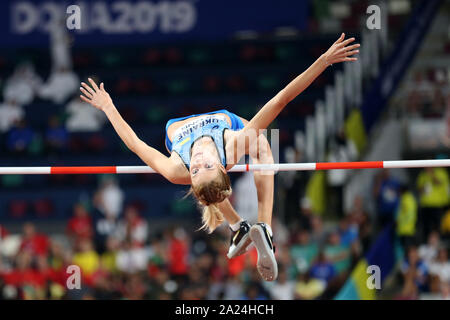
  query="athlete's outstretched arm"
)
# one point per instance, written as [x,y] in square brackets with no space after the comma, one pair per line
[99,98]
[340,51]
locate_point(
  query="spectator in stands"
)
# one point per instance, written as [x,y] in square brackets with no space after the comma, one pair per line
[56,136]
[303,251]
[318,232]
[44,274]
[323,269]
[33,242]
[359,216]
[158,254]
[103,285]
[187,293]
[111,197]
[284,288]
[159,284]
[178,250]
[409,290]
[309,288]
[10,113]
[195,276]
[135,288]
[201,291]
[133,227]
[109,257]
[254,291]
[132,258]
[428,251]
[19,138]
[219,271]
[349,237]
[338,253]
[433,185]
[60,86]
[22,85]
[419,94]
[205,263]
[387,194]
[87,259]
[59,256]
[22,277]
[80,225]
[233,288]
[416,268]
[406,217]
[82,117]
[348,231]
[105,224]
[440,267]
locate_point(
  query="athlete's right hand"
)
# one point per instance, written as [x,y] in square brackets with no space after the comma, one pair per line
[96,96]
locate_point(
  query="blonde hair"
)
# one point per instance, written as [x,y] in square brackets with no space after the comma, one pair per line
[208,195]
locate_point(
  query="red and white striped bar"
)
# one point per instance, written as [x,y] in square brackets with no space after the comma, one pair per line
[238,168]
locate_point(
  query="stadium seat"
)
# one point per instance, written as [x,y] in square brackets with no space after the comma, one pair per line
[198,56]
[18,209]
[212,84]
[11,181]
[152,57]
[111,60]
[42,208]
[173,56]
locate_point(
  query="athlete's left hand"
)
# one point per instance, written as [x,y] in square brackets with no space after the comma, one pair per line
[341,51]
[96,96]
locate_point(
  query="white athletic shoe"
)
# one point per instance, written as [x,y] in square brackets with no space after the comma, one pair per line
[240,240]
[267,264]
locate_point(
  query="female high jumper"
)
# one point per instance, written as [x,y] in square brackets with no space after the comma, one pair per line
[203,147]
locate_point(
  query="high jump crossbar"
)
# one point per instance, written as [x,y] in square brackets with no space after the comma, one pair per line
[237,168]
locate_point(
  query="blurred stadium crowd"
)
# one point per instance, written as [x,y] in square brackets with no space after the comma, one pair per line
[121,258]
[112,236]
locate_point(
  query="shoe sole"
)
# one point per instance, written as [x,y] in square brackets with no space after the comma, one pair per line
[266,264]
[242,248]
